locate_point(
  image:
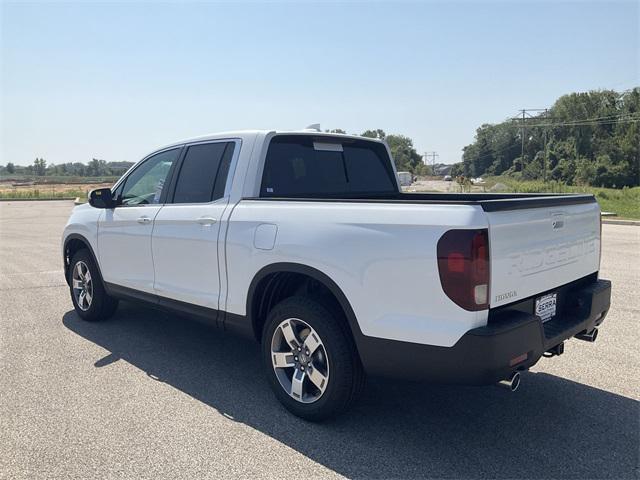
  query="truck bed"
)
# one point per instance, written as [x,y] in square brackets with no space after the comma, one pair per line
[490,202]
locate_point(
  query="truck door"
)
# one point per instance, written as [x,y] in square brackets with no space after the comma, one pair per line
[187,228]
[124,233]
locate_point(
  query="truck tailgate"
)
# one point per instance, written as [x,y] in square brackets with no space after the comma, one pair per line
[534,250]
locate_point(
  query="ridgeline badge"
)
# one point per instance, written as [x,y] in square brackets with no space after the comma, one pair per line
[504,296]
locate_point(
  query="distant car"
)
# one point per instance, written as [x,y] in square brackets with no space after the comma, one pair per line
[405,178]
[447,178]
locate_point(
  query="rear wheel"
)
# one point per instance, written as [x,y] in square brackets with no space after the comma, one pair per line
[88,295]
[310,359]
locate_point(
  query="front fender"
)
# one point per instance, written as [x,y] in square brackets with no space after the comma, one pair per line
[82,226]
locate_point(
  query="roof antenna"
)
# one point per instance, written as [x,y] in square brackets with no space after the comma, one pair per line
[314,126]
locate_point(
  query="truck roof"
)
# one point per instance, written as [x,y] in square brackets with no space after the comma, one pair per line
[246,134]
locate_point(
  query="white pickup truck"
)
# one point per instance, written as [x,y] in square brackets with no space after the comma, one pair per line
[304,241]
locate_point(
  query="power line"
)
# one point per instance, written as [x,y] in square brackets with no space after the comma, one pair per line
[577,120]
[606,117]
[495,153]
[584,123]
[579,100]
[509,147]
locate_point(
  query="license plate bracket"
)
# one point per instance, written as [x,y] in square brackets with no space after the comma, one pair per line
[546,306]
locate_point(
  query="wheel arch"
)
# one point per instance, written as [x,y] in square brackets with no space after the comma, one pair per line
[262,286]
[73,243]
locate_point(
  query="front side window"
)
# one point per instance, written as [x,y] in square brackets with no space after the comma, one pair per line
[203,173]
[145,184]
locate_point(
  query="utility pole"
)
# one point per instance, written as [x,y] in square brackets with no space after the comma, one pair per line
[433,156]
[544,159]
[524,111]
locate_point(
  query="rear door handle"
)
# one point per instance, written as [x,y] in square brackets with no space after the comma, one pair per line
[144,219]
[206,220]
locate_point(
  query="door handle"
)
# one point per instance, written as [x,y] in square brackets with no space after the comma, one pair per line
[144,219]
[206,220]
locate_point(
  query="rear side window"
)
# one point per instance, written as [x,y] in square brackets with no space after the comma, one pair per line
[203,173]
[304,166]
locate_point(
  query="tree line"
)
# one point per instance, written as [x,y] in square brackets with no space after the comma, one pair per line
[590,138]
[94,168]
[405,155]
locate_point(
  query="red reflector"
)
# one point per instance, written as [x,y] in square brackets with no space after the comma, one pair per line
[519,359]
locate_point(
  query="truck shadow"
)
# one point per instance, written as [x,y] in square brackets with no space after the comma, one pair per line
[552,427]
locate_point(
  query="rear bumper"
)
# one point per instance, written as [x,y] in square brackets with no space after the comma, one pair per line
[488,354]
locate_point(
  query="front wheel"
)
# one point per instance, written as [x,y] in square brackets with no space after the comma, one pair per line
[88,295]
[310,359]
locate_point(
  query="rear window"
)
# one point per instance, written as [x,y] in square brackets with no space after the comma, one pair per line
[203,173]
[306,166]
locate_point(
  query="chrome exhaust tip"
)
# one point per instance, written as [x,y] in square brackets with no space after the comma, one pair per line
[588,336]
[512,383]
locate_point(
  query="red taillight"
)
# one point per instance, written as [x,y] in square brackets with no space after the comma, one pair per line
[463,264]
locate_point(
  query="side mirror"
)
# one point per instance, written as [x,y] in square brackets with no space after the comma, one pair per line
[101,198]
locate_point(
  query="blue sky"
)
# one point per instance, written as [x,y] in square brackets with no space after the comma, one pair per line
[115,80]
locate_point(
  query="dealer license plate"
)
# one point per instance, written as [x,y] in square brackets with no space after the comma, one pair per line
[546,306]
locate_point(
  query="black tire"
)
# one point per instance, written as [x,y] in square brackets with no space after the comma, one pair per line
[102,306]
[346,375]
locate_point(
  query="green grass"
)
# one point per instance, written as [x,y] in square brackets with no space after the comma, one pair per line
[58,179]
[44,194]
[625,202]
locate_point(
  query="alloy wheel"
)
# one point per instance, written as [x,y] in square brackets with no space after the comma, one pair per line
[82,286]
[299,360]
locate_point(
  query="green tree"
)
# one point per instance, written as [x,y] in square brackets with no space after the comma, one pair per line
[591,137]
[457,169]
[40,167]
[11,168]
[423,170]
[404,154]
[377,133]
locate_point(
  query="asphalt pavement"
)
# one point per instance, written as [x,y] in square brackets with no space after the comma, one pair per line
[153,395]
